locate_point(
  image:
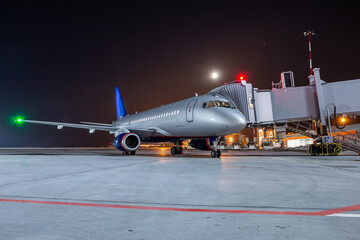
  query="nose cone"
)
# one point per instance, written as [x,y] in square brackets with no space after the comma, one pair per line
[230,121]
[222,121]
[237,120]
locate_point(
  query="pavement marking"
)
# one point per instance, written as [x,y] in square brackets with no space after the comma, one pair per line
[320,213]
[340,210]
[343,215]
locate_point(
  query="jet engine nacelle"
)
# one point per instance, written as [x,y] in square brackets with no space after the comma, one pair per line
[202,144]
[127,142]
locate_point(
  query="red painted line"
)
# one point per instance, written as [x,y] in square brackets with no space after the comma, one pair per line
[321,213]
[340,210]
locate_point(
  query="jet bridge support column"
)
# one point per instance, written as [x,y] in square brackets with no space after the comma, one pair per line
[321,103]
[326,147]
[320,94]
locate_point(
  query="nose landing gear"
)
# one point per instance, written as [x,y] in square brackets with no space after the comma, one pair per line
[216,153]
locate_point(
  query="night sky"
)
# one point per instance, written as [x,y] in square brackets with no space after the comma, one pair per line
[60,61]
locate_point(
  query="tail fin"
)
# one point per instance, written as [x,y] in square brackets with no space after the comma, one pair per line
[120,108]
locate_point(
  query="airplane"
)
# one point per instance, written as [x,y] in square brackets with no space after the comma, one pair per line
[202,119]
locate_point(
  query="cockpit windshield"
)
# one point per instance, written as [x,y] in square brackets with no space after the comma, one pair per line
[219,103]
[211,104]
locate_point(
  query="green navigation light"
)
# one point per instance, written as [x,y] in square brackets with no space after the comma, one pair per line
[18,120]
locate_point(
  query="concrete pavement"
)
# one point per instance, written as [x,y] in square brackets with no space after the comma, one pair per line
[92,194]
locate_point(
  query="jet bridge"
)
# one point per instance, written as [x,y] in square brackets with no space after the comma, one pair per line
[287,106]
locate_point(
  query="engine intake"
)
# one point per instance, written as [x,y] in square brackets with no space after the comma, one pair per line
[127,142]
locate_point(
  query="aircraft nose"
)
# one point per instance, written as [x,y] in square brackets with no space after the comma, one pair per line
[237,121]
[228,121]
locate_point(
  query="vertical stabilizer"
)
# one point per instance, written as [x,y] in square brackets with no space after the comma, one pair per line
[120,108]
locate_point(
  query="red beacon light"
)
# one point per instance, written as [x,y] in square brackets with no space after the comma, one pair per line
[242,79]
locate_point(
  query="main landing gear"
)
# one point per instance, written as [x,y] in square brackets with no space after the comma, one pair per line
[129,153]
[176,150]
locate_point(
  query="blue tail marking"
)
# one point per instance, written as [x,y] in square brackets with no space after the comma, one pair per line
[120,108]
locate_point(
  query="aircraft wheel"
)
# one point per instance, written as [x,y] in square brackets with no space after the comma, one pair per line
[180,150]
[218,153]
[132,152]
[214,153]
[174,150]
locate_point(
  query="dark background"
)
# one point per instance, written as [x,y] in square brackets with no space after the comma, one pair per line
[60,61]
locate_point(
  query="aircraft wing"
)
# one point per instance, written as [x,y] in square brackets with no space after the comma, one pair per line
[143,132]
[91,127]
[148,132]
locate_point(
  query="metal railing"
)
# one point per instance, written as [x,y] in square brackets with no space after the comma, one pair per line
[349,141]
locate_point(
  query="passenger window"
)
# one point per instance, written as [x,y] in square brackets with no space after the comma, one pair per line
[204,105]
[211,104]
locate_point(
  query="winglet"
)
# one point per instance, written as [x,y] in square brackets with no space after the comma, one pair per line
[120,108]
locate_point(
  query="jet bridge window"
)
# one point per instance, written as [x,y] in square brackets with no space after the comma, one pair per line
[211,104]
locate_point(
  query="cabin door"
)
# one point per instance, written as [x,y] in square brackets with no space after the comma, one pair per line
[190,110]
